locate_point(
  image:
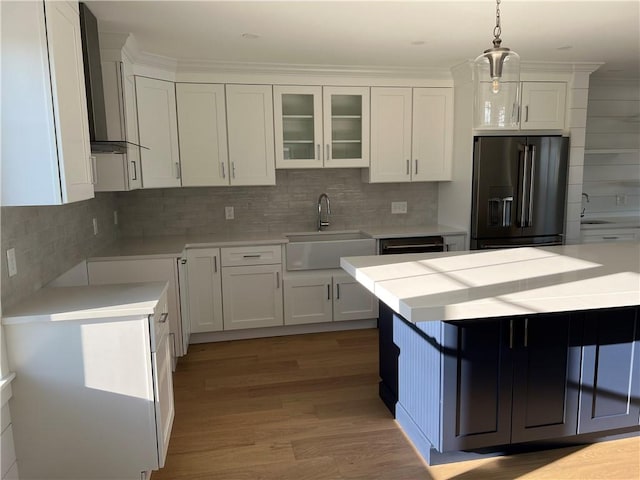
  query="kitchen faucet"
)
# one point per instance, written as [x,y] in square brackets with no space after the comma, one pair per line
[585,195]
[322,224]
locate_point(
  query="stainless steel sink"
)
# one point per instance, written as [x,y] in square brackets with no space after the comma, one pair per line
[319,250]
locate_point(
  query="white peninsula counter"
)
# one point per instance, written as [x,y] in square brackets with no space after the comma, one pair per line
[492,352]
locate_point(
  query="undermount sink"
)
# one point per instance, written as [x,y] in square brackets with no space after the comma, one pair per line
[320,250]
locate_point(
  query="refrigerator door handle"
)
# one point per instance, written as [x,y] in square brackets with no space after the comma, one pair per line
[532,171]
[523,185]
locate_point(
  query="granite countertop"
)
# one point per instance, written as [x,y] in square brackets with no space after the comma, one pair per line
[173,245]
[59,304]
[519,281]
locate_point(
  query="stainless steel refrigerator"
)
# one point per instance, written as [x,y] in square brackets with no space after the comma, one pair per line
[519,191]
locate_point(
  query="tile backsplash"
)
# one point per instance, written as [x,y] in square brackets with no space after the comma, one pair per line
[50,240]
[290,205]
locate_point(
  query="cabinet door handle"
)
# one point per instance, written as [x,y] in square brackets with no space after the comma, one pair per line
[408,162]
[256,255]
[610,238]
[328,292]
[233,169]
[277,280]
[416,166]
[183,261]
[178,170]
[328,152]
[526,113]
[510,334]
[223,172]
[135,170]
[526,332]
[318,151]
[337,291]
[215,264]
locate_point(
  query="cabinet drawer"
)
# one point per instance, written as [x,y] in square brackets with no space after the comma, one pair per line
[609,237]
[254,255]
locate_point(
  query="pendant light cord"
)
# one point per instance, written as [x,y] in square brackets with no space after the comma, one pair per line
[498,29]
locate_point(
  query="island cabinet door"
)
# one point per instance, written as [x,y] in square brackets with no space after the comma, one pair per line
[477,384]
[610,387]
[546,377]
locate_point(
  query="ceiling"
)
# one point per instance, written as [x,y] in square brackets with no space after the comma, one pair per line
[409,34]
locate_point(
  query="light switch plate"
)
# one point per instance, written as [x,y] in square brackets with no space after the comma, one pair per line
[11,262]
[398,207]
[228,213]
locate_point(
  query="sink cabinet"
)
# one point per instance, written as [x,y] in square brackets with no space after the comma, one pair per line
[324,296]
[319,127]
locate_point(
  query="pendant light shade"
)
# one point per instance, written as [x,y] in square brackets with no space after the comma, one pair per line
[496,76]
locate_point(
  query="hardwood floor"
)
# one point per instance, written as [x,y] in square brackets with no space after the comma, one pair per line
[306,407]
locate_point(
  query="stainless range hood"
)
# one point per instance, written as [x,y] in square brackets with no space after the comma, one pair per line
[100,142]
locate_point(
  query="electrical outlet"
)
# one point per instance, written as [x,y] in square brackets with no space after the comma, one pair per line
[228,213]
[398,207]
[115,217]
[11,262]
[95,226]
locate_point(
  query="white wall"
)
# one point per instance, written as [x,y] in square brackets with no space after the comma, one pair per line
[612,153]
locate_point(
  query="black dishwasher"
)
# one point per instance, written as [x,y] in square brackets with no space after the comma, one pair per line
[390,246]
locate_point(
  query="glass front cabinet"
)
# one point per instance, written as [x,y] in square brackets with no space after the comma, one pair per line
[321,126]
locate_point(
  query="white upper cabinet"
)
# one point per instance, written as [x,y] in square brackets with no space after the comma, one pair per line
[411,134]
[158,132]
[321,126]
[543,105]
[119,171]
[298,126]
[250,134]
[202,130]
[45,133]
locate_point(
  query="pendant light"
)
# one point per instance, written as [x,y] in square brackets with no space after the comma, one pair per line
[497,83]
[499,58]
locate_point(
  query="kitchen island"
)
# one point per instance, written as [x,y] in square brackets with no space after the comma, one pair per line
[486,352]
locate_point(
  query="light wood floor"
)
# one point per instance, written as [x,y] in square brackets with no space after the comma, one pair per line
[306,407]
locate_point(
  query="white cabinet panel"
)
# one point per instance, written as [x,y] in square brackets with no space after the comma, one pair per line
[202,130]
[351,301]
[252,296]
[45,132]
[432,136]
[543,105]
[158,131]
[454,243]
[163,388]
[204,289]
[307,299]
[250,134]
[391,112]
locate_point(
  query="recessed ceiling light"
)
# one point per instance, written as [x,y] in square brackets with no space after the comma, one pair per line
[418,42]
[250,36]
[565,47]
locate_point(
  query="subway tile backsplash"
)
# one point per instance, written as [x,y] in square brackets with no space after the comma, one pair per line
[290,205]
[50,240]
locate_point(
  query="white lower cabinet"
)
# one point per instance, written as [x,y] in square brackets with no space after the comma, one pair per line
[454,243]
[234,288]
[325,295]
[204,289]
[93,393]
[105,272]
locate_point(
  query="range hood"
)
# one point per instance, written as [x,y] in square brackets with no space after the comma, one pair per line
[100,142]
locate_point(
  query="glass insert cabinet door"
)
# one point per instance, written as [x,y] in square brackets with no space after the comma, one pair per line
[321,126]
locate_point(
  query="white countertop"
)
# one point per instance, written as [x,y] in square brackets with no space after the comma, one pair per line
[519,281]
[59,304]
[173,245]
